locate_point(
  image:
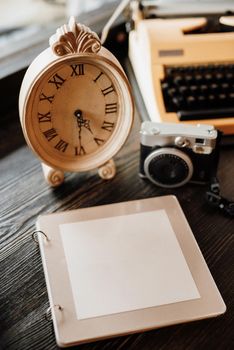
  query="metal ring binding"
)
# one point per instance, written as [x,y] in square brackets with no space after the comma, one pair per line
[48,314]
[35,238]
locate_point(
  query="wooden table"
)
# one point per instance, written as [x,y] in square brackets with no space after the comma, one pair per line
[24,195]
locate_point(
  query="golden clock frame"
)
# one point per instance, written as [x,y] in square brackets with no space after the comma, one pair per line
[77,40]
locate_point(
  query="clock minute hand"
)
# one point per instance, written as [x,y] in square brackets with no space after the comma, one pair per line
[79,120]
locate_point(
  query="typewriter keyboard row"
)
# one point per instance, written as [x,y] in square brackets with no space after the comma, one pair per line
[199,92]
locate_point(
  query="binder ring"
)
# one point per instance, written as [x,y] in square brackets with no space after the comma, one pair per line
[35,234]
[48,314]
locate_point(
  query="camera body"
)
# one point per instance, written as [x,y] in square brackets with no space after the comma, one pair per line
[173,154]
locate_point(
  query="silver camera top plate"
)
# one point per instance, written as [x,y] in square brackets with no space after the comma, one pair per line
[200,138]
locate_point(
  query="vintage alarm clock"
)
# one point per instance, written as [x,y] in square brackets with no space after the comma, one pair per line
[75,104]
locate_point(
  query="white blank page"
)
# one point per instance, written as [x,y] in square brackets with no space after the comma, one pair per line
[125,263]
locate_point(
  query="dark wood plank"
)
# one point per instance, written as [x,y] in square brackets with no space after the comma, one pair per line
[24,195]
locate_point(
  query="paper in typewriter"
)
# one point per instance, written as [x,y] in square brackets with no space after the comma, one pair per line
[125,263]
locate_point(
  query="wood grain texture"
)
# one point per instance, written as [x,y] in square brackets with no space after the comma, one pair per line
[24,195]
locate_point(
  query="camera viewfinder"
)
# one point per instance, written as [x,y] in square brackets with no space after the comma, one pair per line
[200,141]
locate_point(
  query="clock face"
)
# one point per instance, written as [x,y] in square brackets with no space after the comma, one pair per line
[76,113]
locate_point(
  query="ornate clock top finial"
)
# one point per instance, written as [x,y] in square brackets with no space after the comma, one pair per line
[74,38]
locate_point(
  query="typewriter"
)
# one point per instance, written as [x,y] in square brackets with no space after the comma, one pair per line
[184,66]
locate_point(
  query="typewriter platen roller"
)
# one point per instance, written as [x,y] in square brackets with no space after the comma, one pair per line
[185,73]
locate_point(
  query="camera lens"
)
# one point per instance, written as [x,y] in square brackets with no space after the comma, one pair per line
[168,167]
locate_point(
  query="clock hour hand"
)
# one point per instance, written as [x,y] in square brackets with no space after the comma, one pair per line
[81,122]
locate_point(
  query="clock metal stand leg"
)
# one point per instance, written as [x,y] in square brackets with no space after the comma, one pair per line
[108,170]
[53,177]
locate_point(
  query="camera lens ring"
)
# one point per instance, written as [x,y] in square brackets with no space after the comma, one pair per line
[173,152]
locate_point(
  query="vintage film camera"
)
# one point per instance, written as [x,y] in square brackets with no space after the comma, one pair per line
[173,154]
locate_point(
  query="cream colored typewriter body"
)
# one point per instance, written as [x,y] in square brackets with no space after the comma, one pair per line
[158,47]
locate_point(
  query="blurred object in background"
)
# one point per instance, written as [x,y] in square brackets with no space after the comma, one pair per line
[29,12]
[76,7]
[26,26]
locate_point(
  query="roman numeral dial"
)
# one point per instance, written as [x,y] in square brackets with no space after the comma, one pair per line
[78,110]
[61,145]
[77,69]
[111,108]
[43,97]
[108,90]
[50,134]
[57,80]
[108,126]
[44,118]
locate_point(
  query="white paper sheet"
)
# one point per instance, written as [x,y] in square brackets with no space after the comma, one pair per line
[125,263]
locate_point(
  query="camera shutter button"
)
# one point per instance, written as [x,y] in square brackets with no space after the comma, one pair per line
[181,141]
[154,131]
